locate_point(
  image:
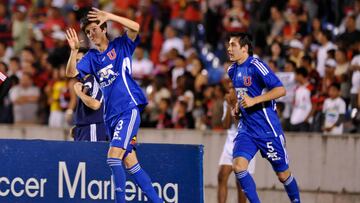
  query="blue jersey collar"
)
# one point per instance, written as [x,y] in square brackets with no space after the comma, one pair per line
[245,62]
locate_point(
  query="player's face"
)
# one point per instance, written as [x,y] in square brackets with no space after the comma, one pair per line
[95,33]
[235,52]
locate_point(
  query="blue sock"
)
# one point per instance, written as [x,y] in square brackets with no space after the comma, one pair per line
[248,185]
[119,178]
[292,189]
[144,182]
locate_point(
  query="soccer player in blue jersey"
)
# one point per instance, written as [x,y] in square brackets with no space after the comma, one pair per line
[259,127]
[110,64]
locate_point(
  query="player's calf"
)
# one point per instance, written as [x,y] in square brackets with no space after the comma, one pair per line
[119,178]
[141,178]
[244,178]
[290,185]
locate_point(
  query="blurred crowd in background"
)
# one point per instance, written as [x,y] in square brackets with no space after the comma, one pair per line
[312,45]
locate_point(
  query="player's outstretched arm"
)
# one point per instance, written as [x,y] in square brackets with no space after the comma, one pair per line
[74,45]
[103,16]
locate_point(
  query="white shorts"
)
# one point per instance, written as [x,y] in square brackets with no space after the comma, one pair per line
[226,155]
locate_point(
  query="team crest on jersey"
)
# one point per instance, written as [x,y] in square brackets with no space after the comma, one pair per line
[247,80]
[111,54]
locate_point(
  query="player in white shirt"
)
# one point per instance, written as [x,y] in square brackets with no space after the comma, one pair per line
[334,112]
[226,159]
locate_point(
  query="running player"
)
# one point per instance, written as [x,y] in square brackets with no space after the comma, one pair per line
[259,128]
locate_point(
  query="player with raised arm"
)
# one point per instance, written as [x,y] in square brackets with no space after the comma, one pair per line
[110,63]
[259,128]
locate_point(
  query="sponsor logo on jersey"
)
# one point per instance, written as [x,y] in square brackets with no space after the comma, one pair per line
[107,76]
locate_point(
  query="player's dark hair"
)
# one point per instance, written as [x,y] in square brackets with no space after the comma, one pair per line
[244,39]
[301,71]
[84,22]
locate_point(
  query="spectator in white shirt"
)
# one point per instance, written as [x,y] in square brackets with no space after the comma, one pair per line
[142,67]
[323,38]
[25,98]
[171,42]
[287,78]
[334,112]
[302,103]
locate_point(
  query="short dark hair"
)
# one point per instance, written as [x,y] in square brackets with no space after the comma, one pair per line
[5,65]
[301,71]
[182,57]
[15,58]
[291,62]
[84,22]
[29,49]
[335,85]
[326,33]
[244,39]
[307,58]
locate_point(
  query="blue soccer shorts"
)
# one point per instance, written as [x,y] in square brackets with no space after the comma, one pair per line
[271,148]
[123,129]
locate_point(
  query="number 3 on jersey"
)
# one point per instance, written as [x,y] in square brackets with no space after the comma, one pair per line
[117,130]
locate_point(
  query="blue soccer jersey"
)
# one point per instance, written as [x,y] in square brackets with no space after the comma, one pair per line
[112,69]
[254,77]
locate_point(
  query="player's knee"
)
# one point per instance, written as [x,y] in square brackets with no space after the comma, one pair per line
[283,176]
[115,152]
[130,160]
[240,164]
